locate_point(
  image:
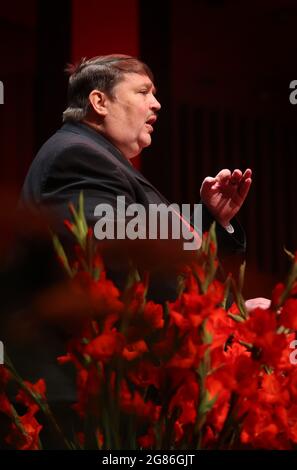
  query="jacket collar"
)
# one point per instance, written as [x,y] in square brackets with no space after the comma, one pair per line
[83,129]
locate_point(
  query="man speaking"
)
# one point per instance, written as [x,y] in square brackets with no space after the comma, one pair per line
[111,114]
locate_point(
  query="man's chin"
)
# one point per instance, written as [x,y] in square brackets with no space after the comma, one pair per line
[140,145]
[145,142]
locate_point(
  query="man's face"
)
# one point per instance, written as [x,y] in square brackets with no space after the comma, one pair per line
[131,114]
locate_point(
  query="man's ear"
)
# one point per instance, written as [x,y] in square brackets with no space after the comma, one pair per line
[98,102]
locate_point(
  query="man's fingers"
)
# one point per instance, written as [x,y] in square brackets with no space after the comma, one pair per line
[245,184]
[244,187]
[206,190]
[235,177]
[223,176]
[247,174]
[207,184]
[240,183]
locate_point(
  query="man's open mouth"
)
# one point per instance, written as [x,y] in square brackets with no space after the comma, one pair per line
[151,120]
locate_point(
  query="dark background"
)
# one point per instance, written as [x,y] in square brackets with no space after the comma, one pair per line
[222,69]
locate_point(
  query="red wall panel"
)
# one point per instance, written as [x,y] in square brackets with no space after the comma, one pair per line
[105,27]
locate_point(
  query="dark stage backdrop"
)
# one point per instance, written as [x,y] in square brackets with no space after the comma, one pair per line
[225,69]
[222,70]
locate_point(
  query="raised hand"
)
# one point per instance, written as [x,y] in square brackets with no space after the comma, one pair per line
[225,194]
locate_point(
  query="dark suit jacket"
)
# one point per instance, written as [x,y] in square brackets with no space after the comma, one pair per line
[77,158]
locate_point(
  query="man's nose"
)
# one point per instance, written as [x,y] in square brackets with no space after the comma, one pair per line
[155,104]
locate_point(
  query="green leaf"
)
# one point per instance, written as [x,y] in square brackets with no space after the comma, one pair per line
[207,404]
[62,255]
[241,276]
[236,318]
[291,255]
[226,291]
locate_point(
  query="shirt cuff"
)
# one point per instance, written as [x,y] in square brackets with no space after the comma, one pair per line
[229,228]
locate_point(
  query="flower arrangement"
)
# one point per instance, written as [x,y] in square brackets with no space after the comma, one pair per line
[192,374]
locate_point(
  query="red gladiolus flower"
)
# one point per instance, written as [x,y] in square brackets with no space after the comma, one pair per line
[105,297]
[209,437]
[292,422]
[292,385]
[89,387]
[82,392]
[29,438]
[260,330]
[276,294]
[64,359]
[165,347]
[133,403]
[148,440]
[183,323]
[178,430]
[69,225]
[99,438]
[217,416]
[105,346]
[133,350]
[145,374]
[220,327]
[5,405]
[188,355]
[5,376]
[246,373]
[136,298]
[288,317]
[263,429]
[273,390]
[153,315]
[186,400]
[38,390]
